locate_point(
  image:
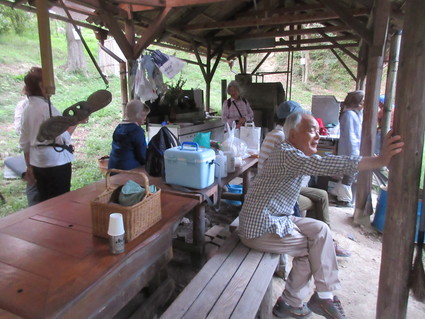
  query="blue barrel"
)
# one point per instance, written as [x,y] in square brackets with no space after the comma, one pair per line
[237,189]
[381,207]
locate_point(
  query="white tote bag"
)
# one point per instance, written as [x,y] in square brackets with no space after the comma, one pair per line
[251,135]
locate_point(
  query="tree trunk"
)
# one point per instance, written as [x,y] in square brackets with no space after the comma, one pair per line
[76,59]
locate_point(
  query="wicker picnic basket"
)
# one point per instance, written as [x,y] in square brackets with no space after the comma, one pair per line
[137,218]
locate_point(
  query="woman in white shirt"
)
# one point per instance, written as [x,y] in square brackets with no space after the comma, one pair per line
[47,164]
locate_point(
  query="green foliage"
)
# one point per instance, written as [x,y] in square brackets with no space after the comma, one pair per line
[14,20]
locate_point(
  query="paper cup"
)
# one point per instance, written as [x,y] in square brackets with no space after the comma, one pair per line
[116,225]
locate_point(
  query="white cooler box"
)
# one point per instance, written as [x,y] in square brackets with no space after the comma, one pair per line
[189,165]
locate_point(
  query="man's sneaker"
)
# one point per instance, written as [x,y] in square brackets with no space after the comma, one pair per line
[328,308]
[282,310]
[341,252]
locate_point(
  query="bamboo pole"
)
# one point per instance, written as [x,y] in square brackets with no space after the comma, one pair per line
[403,190]
[391,82]
[45,47]
[123,83]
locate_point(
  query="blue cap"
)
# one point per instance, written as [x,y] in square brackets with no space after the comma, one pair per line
[382,98]
[286,108]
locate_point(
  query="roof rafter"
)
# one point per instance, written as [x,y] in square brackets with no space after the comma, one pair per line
[249,22]
[349,19]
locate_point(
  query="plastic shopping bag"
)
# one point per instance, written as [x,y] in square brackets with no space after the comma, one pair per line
[234,144]
[143,88]
[169,65]
[251,135]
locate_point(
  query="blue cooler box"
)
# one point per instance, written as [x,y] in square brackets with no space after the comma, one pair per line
[189,165]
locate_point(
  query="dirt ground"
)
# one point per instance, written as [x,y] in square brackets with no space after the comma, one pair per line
[359,274]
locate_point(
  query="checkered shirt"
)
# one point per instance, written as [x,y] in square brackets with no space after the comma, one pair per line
[272,196]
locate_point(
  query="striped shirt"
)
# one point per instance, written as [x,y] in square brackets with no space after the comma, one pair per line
[271,198]
[271,141]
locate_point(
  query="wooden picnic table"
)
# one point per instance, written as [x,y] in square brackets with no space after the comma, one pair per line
[52,266]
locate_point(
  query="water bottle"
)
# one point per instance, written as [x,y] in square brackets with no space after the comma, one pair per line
[221,160]
[231,168]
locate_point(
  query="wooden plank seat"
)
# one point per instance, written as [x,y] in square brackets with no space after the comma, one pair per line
[234,283]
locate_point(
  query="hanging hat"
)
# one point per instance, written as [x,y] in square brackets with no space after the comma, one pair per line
[286,108]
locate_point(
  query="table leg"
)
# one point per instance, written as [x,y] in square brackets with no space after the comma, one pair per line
[199,225]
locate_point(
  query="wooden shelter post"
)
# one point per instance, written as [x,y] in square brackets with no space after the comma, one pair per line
[207,71]
[361,67]
[405,168]
[123,82]
[391,82]
[45,46]
[381,13]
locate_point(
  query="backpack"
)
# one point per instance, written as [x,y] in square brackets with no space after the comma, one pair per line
[161,141]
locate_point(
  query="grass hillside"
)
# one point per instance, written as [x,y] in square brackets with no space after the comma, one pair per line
[18,53]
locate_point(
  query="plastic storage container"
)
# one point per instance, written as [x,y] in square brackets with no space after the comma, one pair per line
[189,165]
[236,189]
[381,208]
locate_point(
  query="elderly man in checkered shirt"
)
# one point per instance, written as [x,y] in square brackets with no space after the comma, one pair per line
[267,222]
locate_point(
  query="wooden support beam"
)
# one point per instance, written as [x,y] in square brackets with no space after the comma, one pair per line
[405,169]
[364,207]
[176,31]
[287,33]
[343,64]
[343,49]
[333,40]
[217,60]
[295,9]
[245,63]
[51,15]
[260,63]
[152,31]
[45,47]
[198,58]
[303,48]
[346,16]
[115,30]
[185,3]
[148,3]
[278,20]
[362,66]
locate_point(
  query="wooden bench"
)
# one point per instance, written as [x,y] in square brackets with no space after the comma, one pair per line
[235,283]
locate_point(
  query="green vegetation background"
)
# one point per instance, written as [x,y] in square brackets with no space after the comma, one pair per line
[19,51]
